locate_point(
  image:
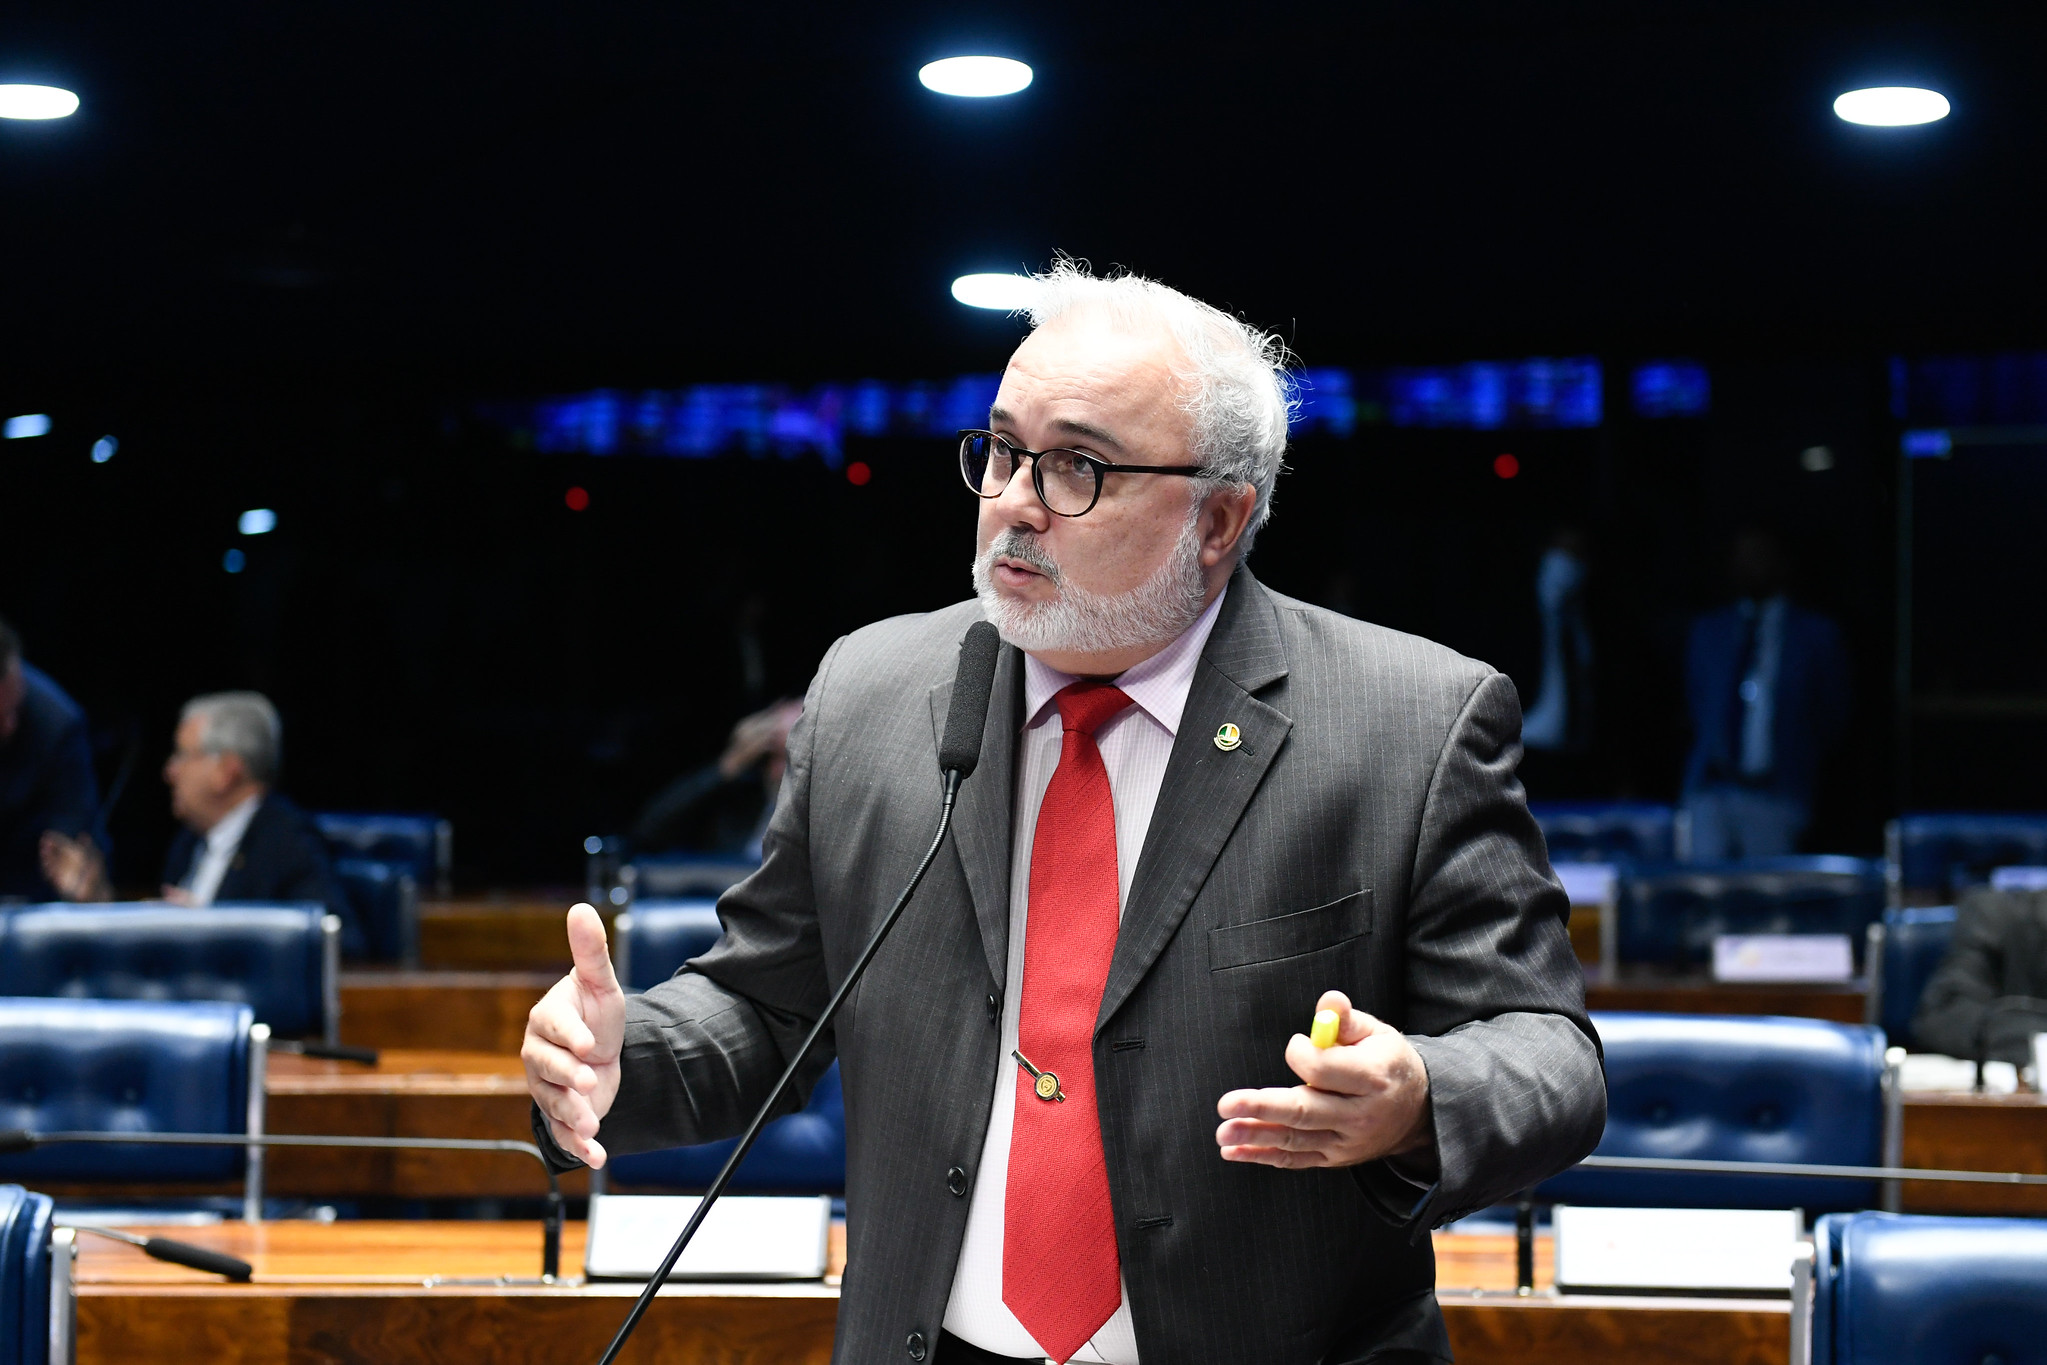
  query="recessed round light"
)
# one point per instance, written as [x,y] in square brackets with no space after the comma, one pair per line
[1892,106]
[36,101]
[1005,292]
[976,77]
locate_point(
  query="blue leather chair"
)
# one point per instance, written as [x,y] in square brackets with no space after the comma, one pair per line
[385,898]
[1905,948]
[801,1153]
[423,845]
[1607,831]
[1701,1087]
[1907,1289]
[1934,856]
[281,960]
[653,939]
[143,1066]
[1669,914]
[24,1276]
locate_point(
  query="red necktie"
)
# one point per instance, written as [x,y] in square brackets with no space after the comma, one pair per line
[1060,1274]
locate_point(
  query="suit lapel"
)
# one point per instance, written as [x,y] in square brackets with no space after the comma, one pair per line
[980,821]
[1205,788]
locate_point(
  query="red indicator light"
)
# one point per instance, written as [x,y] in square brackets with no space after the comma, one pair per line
[578,498]
[1506,466]
[857,473]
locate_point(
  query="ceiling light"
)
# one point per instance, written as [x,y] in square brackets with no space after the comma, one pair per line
[976,77]
[1005,292]
[257,521]
[1892,106]
[103,449]
[36,101]
[26,425]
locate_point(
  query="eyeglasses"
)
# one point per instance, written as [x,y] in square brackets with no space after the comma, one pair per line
[1069,482]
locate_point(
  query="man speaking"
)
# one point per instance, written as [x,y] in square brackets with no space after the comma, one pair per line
[1203,811]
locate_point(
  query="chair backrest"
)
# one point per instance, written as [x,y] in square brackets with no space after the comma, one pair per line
[1943,853]
[1606,831]
[1669,914]
[24,1276]
[1909,946]
[800,1153]
[385,898]
[274,958]
[423,844]
[654,939]
[144,1066]
[1703,1087]
[671,875]
[1907,1289]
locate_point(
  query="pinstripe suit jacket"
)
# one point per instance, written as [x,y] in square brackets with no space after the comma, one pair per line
[1368,835]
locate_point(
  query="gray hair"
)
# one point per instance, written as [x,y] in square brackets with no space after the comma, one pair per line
[244,724]
[1237,392]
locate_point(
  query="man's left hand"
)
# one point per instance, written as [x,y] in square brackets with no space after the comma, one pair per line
[1365,1098]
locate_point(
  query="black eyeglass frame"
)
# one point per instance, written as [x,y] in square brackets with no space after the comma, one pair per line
[1101,467]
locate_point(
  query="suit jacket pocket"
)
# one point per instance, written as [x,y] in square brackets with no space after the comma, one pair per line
[1284,936]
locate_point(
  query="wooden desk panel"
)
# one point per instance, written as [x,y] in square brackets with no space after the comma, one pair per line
[498,935]
[460,1011]
[385,1291]
[1697,995]
[1976,1133]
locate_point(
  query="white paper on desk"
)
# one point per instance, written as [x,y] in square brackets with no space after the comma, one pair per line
[1717,1250]
[1588,883]
[746,1237]
[1782,957]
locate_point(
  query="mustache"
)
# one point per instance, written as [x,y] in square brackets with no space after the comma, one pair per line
[1023,547]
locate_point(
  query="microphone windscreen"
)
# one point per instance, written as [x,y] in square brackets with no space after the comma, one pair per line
[960,751]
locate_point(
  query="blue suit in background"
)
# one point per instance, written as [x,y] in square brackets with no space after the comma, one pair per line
[1767,686]
[46,783]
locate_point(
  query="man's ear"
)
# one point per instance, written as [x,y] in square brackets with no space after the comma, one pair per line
[1225,515]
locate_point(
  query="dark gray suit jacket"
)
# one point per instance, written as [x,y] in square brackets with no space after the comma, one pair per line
[1368,835]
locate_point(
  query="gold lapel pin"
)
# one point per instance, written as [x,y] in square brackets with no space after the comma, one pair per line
[1228,737]
[1047,1084]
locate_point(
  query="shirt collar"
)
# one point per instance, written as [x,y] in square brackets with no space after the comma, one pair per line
[1159,685]
[229,829]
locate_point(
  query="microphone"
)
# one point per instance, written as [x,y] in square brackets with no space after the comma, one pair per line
[959,753]
[177,1253]
[22,1140]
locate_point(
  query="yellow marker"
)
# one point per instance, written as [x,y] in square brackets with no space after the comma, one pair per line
[1323,1032]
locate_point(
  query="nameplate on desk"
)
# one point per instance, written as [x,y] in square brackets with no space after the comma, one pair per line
[746,1237]
[1782,957]
[1671,1251]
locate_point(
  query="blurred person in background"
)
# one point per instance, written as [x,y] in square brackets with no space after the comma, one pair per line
[242,840]
[47,788]
[1766,682]
[1989,996]
[723,807]
[1556,732]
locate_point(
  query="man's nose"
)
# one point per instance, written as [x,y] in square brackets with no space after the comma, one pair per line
[1019,503]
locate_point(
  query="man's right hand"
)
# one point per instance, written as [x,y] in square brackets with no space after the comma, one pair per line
[573,1037]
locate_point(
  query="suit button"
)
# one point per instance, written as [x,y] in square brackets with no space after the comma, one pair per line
[994,1010]
[915,1345]
[956,1181]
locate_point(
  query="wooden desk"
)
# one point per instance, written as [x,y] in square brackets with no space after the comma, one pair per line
[1976,1133]
[465,1291]
[457,1011]
[1662,993]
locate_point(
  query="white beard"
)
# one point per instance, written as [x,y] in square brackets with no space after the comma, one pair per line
[1077,621]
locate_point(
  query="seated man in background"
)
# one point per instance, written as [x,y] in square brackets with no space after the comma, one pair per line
[46,780]
[723,807]
[241,841]
[1989,996]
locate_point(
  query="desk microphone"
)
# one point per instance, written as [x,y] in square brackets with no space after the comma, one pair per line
[180,1253]
[959,753]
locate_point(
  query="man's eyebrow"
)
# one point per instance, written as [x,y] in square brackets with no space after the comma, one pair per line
[1000,416]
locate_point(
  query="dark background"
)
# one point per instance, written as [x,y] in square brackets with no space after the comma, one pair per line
[283,254]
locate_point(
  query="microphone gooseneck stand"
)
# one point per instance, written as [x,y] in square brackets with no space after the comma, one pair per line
[958,754]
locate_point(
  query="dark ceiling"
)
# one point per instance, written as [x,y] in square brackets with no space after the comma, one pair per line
[461,199]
